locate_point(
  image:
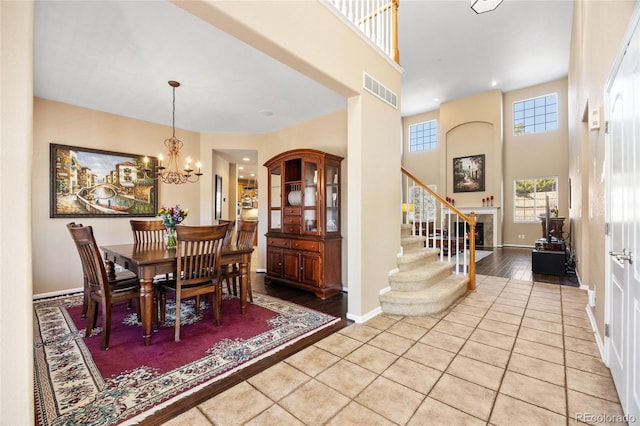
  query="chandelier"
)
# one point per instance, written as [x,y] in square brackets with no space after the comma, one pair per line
[172,172]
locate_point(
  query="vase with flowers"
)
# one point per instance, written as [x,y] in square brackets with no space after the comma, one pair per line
[172,216]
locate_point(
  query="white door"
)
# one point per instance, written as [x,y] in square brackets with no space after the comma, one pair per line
[624,232]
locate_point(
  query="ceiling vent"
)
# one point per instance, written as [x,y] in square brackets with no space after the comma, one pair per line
[374,86]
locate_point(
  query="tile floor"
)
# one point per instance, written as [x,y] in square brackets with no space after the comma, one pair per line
[510,353]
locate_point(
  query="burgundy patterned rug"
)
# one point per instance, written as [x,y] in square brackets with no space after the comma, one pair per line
[77,383]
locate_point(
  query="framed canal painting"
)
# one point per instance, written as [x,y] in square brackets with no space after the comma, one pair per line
[95,183]
[468,174]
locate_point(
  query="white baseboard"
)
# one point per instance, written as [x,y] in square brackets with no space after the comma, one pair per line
[598,337]
[359,319]
[261,270]
[385,290]
[57,293]
[518,246]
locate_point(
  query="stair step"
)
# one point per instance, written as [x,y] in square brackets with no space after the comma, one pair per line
[425,302]
[416,259]
[405,230]
[420,278]
[412,243]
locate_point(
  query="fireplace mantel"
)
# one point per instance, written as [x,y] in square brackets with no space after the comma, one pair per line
[491,211]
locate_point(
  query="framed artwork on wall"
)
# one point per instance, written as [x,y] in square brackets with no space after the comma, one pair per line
[218,198]
[468,173]
[88,182]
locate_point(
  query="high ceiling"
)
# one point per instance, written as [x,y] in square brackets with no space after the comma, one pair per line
[117,56]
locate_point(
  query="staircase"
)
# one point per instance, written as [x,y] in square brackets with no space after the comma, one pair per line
[425,285]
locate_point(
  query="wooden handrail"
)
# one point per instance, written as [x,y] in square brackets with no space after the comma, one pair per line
[471,220]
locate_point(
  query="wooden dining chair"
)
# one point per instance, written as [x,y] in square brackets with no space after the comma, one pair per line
[148,231]
[198,269]
[230,229]
[245,234]
[224,269]
[99,289]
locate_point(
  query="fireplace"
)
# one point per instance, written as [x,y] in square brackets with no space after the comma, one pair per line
[464,230]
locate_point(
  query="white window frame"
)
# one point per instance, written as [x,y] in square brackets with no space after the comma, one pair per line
[539,205]
[431,143]
[539,112]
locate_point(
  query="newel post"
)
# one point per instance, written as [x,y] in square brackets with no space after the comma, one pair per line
[472,252]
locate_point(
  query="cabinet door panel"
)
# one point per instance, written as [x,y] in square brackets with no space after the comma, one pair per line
[291,265]
[311,267]
[274,262]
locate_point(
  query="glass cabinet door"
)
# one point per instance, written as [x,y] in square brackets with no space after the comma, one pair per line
[310,213]
[333,199]
[275,198]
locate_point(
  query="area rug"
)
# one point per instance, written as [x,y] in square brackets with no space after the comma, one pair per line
[77,383]
[480,254]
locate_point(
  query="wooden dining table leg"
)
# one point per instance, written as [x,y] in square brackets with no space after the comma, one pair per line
[146,301]
[244,282]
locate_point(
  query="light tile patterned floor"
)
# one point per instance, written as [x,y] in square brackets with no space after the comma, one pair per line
[510,353]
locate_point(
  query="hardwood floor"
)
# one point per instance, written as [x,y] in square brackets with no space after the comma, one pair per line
[515,262]
[503,262]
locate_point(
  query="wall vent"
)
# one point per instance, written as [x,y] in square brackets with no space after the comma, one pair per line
[378,89]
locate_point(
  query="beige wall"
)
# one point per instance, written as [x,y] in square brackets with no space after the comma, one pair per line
[56,266]
[16,314]
[468,126]
[483,124]
[532,156]
[597,37]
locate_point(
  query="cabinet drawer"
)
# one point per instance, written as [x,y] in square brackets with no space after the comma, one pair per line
[292,220]
[292,211]
[305,245]
[291,229]
[278,242]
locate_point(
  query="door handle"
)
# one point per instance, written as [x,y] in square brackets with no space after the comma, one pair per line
[623,255]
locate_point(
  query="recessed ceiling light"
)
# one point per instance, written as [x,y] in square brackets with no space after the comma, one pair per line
[494,83]
[436,99]
[240,168]
[246,159]
[241,176]
[252,174]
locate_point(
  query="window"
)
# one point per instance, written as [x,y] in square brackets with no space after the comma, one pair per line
[530,198]
[535,115]
[423,136]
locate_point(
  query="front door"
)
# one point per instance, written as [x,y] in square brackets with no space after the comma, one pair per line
[623,239]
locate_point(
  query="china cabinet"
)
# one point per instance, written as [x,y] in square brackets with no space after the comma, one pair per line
[304,245]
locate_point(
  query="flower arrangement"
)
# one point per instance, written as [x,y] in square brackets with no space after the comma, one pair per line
[171,217]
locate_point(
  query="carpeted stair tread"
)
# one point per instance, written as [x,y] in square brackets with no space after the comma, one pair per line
[425,302]
[412,243]
[413,260]
[421,277]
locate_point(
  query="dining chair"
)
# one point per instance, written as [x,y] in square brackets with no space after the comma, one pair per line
[230,229]
[148,231]
[198,269]
[99,289]
[245,234]
[224,269]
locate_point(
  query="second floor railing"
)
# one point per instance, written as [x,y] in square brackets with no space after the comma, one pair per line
[443,226]
[377,19]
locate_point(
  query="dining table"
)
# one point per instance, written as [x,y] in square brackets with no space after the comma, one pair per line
[148,260]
